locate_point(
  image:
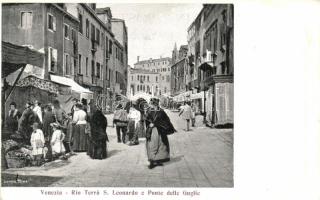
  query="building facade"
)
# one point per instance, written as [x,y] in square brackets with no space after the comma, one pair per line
[57,37]
[212,44]
[143,81]
[160,66]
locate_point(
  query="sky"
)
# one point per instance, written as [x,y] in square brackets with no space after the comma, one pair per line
[153,29]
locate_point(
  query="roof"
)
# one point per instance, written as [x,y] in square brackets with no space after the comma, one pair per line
[152,60]
[104,10]
[94,14]
[142,71]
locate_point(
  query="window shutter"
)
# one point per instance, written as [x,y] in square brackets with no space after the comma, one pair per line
[54,23]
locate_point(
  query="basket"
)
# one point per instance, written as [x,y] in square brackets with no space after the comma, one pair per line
[16,162]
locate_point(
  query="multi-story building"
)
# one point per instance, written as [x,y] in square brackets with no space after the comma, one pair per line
[179,69]
[104,67]
[77,41]
[143,80]
[213,50]
[121,35]
[48,28]
[160,66]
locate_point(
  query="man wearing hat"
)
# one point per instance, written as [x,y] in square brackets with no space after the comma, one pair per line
[120,118]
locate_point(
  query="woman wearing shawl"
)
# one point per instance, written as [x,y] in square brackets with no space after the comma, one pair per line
[98,136]
[158,127]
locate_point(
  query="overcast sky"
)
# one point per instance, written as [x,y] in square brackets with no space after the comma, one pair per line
[154,28]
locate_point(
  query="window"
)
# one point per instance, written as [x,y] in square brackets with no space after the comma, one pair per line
[66,31]
[156,79]
[98,70]
[107,54]
[80,64]
[110,46]
[66,64]
[80,24]
[148,78]
[168,78]
[73,35]
[87,28]
[137,87]
[52,59]
[98,36]
[92,69]
[116,53]
[93,32]
[87,60]
[138,77]
[109,74]
[165,89]
[169,69]
[74,66]
[26,20]
[131,78]
[162,77]
[51,22]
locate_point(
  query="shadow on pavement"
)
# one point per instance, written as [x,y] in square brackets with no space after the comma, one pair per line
[175,159]
[113,152]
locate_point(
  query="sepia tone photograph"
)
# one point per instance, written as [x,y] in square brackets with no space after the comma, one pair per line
[117,95]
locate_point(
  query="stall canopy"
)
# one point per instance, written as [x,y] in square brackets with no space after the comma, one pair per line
[15,57]
[84,93]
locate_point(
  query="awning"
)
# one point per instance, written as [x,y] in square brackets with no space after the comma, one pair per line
[42,84]
[84,93]
[197,96]
[14,57]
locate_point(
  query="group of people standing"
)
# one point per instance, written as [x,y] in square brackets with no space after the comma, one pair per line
[149,120]
[53,133]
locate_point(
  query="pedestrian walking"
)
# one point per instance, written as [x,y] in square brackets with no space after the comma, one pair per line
[13,118]
[98,136]
[193,115]
[159,127]
[186,114]
[120,119]
[37,143]
[79,135]
[134,117]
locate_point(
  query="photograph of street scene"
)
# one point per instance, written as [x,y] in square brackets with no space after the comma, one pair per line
[117,95]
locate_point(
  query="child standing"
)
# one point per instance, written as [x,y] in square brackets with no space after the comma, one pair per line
[37,143]
[57,141]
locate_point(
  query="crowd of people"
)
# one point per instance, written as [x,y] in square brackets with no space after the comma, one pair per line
[53,133]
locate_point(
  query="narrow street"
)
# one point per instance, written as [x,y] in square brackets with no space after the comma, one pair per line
[202,157]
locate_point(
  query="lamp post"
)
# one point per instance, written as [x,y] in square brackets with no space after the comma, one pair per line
[204,106]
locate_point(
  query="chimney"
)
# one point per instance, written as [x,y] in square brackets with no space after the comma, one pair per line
[138,58]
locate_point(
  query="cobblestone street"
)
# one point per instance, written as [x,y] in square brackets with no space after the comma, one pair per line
[202,157]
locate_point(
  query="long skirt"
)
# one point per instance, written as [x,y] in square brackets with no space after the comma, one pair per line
[98,149]
[79,138]
[158,148]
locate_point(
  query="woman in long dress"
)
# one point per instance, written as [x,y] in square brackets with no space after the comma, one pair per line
[98,136]
[79,135]
[158,127]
